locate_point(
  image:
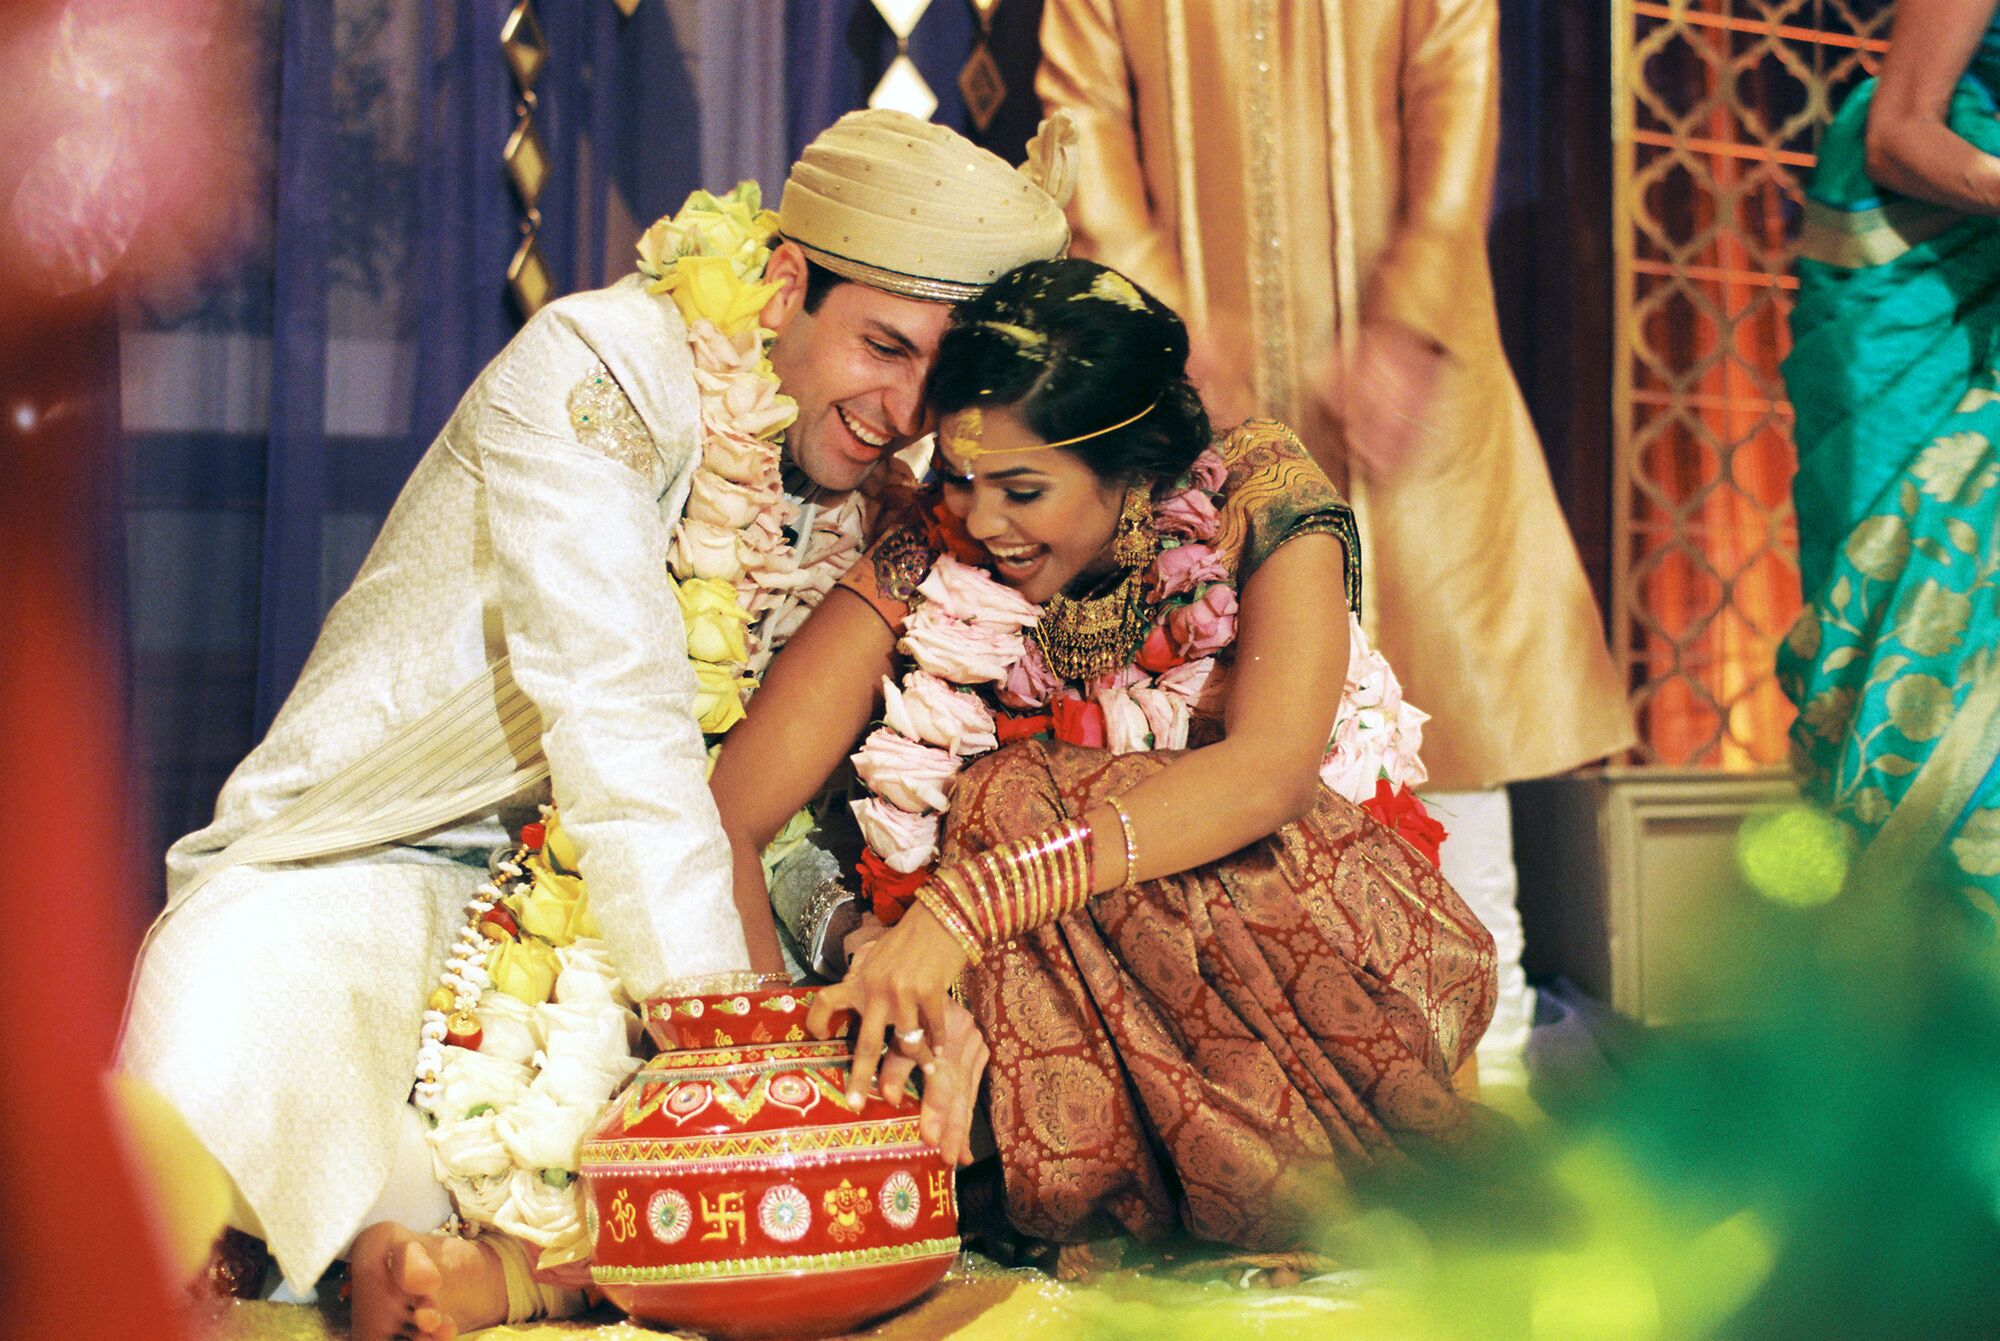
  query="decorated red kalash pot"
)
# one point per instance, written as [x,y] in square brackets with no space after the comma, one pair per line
[732,1188]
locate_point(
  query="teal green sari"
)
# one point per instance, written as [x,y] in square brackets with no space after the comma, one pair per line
[1895,380]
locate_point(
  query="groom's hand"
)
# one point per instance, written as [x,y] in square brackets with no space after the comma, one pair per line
[951,1084]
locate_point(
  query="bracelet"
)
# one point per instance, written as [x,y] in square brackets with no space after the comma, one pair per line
[1131,848]
[1009,890]
[948,918]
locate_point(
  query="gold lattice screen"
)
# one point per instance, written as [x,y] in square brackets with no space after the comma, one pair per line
[1719,105]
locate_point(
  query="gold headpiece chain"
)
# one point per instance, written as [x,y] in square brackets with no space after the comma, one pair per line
[969,426]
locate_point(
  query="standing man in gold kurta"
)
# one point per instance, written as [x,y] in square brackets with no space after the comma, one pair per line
[1307,181]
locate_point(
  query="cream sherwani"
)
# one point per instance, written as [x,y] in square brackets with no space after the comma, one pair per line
[277,1006]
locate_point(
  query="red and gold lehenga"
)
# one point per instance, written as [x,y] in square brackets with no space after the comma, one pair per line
[1199,1053]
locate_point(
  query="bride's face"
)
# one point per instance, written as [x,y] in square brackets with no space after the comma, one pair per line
[1044,516]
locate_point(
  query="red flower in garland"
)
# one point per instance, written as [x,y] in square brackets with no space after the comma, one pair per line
[948,529]
[1159,655]
[1398,809]
[1009,728]
[888,891]
[1079,721]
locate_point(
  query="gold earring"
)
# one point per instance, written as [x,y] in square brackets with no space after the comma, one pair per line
[1135,542]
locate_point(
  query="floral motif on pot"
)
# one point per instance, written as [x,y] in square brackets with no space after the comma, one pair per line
[669,1215]
[901,1200]
[785,1214]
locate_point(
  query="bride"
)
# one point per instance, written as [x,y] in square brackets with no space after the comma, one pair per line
[1105,656]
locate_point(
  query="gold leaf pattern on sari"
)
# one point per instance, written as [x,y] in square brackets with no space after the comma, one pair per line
[1946,465]
[1932,622]
[1827,714]
[1920,706]
[1870,805]
[1963,537]
[1804,639]
[1896,766]
[1977,846]
[1880,547]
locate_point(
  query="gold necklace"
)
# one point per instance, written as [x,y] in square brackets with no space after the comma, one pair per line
[1083,637]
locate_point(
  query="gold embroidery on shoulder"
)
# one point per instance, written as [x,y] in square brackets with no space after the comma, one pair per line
[902,558]
[1275,490]
[603,419]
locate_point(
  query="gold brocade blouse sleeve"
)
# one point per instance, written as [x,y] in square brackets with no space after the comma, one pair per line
[1276,492]
[1451,118]
[1111,217]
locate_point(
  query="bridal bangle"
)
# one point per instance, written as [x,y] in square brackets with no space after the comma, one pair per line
[1131,847]
[997,895]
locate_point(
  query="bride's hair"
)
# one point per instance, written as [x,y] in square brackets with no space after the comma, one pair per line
[1073,347]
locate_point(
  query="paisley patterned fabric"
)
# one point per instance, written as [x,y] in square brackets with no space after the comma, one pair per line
[1201,1052]
[1895,661]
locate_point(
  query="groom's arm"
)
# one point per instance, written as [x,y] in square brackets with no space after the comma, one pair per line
[597,641]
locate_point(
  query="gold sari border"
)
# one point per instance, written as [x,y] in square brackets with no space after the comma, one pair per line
[1902,848]
[1858,239]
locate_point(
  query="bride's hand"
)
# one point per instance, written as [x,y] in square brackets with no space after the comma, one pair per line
[901,983]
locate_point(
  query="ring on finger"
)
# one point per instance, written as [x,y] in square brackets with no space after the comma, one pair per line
[910,1038]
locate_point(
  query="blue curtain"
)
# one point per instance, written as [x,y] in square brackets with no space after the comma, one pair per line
[275,410]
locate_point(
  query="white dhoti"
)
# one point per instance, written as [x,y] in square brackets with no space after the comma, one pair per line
[1477,858]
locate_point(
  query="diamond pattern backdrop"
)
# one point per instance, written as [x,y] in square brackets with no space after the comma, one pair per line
[1718,107]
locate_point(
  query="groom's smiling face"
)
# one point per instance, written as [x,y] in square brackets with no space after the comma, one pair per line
[857,368]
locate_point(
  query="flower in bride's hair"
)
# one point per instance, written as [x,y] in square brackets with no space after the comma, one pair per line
[905,774]
[928,709]
[469,1148]
[1126,730]
[1185,567]
[905,841]
[1206,626]
[960,652]
[1167,714]
[718,698]
[703,549]
[1209,471]
[1030,681]
[717,625]
[1186,512]
[973,594]
[948,528]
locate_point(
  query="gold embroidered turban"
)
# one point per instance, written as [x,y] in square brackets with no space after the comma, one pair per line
[919,210]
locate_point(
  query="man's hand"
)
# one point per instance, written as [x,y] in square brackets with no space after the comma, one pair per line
[951,1084]
[1384,399]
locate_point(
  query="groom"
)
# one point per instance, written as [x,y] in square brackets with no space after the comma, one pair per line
[513,639]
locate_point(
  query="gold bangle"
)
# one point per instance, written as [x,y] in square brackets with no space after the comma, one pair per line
[948,918]
[1131,848]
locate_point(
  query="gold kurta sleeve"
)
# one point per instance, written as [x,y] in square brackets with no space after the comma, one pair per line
[1117,222]
[1450,123]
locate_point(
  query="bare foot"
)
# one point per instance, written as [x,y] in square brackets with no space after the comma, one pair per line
[412,1287]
